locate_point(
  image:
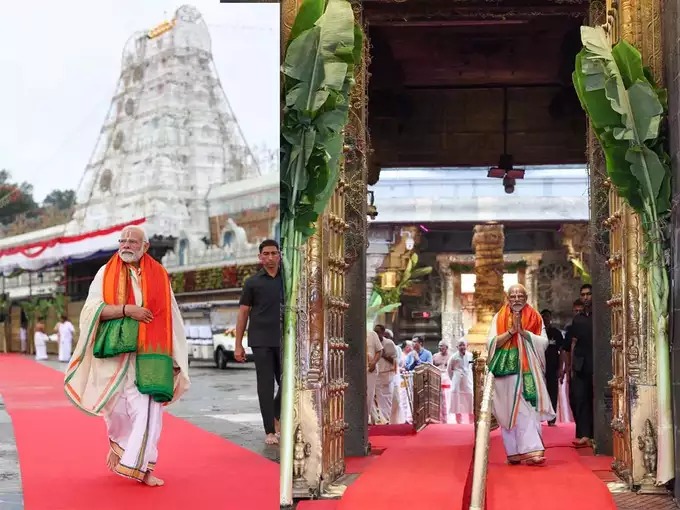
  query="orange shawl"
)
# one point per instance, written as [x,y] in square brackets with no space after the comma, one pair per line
[531,322]
[154,340]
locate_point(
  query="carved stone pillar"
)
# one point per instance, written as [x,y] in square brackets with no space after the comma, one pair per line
[447,305]
[531,279]
[488,242]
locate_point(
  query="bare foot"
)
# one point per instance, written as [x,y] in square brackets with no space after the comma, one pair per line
[111,460]
[271,439]
[580,443]
[536,461]
[152,481]
[277,427]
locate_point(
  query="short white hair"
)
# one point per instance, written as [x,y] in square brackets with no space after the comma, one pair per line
[139,229]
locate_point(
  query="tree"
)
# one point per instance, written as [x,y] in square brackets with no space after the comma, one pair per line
[61,199]
[20,198]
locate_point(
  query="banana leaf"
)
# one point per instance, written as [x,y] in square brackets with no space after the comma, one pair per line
[318,75]
[626,110]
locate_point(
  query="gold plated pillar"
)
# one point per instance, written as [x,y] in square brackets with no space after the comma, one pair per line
[488,241]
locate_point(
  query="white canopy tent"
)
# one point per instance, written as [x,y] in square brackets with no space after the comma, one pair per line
[48,252]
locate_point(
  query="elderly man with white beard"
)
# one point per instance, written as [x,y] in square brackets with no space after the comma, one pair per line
[131,359]
[517,343]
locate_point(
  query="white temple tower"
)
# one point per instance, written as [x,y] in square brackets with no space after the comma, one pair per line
[169,136]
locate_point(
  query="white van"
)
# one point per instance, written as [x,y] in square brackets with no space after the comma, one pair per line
[206,344]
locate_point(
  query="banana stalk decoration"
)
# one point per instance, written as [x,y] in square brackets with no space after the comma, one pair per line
[322,53]
[626,110]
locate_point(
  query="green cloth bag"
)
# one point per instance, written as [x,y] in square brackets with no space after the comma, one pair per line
[115,337]
[155,376]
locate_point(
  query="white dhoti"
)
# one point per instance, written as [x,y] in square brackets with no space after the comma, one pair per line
[406,397]
[371,381]
[461,395]
[564,414]
[40,341]
[445,401]
[397,414]
[524,439]
[65,348]
[134,428]
[383,392]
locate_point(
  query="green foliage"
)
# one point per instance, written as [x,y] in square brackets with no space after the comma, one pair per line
[61,199]
[21,200]
[59,304]
[387,300]
[625,108]
[36,309]
[582,271]
[318,75]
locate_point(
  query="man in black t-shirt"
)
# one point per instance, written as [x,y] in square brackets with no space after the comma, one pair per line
[581,368]
[260,309]
[565,350]
[552,359]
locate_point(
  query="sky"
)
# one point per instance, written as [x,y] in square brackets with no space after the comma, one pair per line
[60,65]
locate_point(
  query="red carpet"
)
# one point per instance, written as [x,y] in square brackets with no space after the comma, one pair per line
[437,459]
[62,453]
[391,430]
[563,483]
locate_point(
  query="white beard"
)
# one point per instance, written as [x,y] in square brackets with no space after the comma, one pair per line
[129,258]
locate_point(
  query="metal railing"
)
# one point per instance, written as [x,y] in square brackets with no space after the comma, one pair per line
[484,423]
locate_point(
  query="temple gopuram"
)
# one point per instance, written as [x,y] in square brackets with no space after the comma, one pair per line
[171,157]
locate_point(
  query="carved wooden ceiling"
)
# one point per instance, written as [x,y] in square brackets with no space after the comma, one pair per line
[442,71]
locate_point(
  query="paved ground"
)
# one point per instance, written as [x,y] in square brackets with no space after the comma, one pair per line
[223,402]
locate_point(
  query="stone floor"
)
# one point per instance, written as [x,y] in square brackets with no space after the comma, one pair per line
[632,501]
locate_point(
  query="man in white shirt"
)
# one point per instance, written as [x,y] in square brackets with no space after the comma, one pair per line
[66,332]
[387,368]
[373,353]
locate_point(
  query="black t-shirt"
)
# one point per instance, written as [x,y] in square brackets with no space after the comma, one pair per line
[582,330]
[552,353]
[263,294]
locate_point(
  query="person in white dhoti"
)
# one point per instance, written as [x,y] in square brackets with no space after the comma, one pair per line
[405,386]
[23,335]
[40,340]
[441,361]
[517,342]
[373,353]
[396,414]
[66,332]
[460,371]
[387,368]
[131,358]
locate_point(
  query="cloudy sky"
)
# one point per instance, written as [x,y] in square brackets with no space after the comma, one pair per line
[60,64]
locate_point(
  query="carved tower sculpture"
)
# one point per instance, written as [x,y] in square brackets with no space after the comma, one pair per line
[169,135]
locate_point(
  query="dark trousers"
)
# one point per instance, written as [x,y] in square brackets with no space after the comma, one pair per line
[552,385]
[581,398]
[268,370]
